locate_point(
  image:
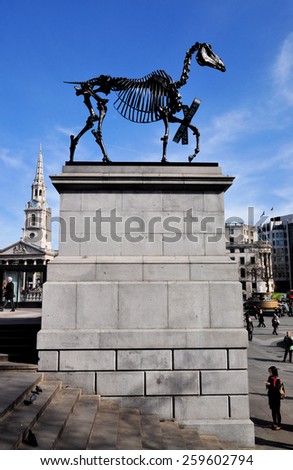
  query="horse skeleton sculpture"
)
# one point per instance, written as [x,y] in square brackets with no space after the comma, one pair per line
[152,98]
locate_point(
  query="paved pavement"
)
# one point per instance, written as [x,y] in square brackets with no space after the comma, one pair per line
[264,350]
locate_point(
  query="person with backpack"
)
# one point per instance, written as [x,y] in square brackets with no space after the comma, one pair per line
[273,385]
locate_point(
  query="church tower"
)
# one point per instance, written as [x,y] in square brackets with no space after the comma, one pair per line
[37,214]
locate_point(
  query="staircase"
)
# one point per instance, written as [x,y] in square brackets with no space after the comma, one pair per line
[64,419]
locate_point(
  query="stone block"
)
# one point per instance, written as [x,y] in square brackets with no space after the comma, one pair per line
[59,305]
[239,407]
[225,300]
[200,359]
[119,271]
[83,380]
[148,338]
[120,383]
[145,245]
[237,358]
[48,360]
[215,244]
[142,305]
[182,201]
[172,383]
[68,247]
[70,202]
[105,200]
[213,270]
[104,245]
[97,305]
[201,408]
[137,359]
[141,201]
[213,202]
[166,272]
[87,360]
[159,406]
[231,382]
[183,245]
[71,271]
[188,305]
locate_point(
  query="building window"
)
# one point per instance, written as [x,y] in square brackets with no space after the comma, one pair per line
[252,259]
[242,272]
[242,260]
[33,219]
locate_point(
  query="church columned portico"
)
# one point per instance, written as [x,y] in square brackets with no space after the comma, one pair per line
[26,260]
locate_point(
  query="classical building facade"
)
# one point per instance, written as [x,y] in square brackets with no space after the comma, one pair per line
[26,260]
[254,259]
[279,233]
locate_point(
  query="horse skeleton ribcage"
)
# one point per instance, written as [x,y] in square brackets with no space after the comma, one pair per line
[139,100]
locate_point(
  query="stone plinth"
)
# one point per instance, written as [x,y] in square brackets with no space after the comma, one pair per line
[142,302]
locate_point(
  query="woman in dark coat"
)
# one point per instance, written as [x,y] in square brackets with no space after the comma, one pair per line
[273,387]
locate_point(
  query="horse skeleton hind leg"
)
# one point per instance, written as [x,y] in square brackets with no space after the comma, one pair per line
[165,118]
[101,104]
[87,92]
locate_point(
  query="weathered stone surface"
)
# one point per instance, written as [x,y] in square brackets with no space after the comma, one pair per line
[201,408]
[137,359]
[172,383]
[87,360]
[120,383]
[200,359]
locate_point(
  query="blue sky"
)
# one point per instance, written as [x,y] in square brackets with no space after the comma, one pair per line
[245,117]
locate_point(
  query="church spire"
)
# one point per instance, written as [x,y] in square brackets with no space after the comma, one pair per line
[37,219]
[38,186]
[39,178]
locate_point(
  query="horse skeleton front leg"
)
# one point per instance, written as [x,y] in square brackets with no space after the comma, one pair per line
[195,131]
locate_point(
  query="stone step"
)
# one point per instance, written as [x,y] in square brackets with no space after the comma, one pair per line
[13,388]
[52,422]
[17,423]
[172,436]
[64,419]
[16,366]
[104,430]
[129,432]
[78,430]
[151,433]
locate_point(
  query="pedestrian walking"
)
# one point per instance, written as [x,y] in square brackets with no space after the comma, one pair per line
[273,385]
[249,327]
[261,320]
[288,343]
[275,324]
[9,294]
